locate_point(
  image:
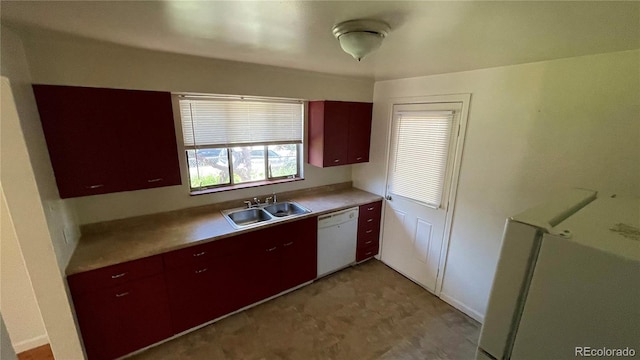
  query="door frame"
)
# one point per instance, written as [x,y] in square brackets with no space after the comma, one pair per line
[465,99]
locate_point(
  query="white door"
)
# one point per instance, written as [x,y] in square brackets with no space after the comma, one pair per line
[422,161]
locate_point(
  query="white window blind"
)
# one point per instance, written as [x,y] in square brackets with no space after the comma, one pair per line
[420,150]
[223,122]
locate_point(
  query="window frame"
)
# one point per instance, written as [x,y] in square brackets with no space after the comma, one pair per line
[231,185]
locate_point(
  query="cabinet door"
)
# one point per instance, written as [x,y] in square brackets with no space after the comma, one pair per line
[261,276]
[299,252]
[315,136]
[84,146]
[108,140]
[148,139]
[336,133]
[202,292]
[122,319]
[359,132]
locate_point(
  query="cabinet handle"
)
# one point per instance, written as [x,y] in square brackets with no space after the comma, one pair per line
[369,220]
[118,275]
[199,254]
[359,158]
[289,243]
[95,186]
[154,180]
[336,160]
[369,231]
[271,249]
[371,208]
[368,253]
[201,271]
[122,294]
[368,242]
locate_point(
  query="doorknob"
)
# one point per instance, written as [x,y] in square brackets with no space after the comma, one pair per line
[388,197]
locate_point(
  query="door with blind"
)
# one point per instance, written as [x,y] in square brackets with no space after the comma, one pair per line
[424,139]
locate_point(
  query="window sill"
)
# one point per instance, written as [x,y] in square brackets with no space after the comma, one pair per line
[243,186]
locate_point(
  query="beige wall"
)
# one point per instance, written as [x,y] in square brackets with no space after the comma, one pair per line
[6,350]
[62,60]
[61,218]
[532,129]
[31,198]
[31,230]
[17,300]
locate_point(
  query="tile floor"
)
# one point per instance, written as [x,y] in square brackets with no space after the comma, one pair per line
[365,312]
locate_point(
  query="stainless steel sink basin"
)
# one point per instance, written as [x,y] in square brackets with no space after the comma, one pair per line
[286,208]
[243,218]
[247,217]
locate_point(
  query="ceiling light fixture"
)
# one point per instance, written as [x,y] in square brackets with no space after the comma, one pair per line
[359,38]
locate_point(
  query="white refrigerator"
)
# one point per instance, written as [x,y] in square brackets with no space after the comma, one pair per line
[567,284]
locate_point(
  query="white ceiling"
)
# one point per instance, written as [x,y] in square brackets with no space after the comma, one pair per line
[427,37]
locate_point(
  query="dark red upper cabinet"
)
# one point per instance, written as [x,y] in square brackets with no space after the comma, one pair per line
[359,132]
[339,132]
[152,153]
[108,140]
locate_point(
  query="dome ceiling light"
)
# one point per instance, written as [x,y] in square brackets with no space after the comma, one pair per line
[359,38]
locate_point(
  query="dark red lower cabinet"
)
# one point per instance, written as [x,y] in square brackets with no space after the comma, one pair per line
[299,260]
[124,318]
[368,230]
[202,292]
[281,257]
[260,276]
[190,287]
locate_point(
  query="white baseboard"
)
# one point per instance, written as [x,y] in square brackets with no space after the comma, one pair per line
[462,307]
[29,344]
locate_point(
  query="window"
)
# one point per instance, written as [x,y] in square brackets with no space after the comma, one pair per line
[233,141]
[419,155]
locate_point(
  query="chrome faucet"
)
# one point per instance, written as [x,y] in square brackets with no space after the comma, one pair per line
[256,201]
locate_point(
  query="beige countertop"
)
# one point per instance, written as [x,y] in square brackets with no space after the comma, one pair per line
[136,238]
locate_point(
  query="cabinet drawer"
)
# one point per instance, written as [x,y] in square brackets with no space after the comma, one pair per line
[366,252]
[368,238]
[368,226]
[371,207]
[200,254]
[370,222]
[370,213]
[114,275]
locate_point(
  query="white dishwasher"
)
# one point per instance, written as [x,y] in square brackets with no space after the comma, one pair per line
[337,239]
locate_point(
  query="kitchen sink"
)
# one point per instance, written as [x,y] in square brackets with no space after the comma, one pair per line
[247,217]
[255,216]
[286,208]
